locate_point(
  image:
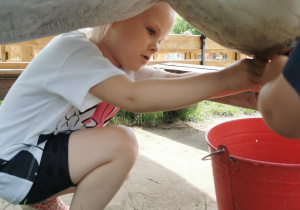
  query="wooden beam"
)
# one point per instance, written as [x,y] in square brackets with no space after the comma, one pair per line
[231,55]
[219,62]
[174,41]
[2,53]
[36,42]
[183,68]
[5,85]
[13,65]
[214,62]
[240,56]
[191,61]
[27,53]
[180,43]
[10,73]
[210,44]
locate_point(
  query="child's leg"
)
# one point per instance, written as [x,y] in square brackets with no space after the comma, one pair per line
[99,161]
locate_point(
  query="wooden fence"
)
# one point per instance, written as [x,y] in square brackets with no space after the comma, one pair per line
[188,49]
[194,49]
[23,51]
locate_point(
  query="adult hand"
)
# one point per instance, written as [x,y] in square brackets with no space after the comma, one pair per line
[245,75]
[274,68]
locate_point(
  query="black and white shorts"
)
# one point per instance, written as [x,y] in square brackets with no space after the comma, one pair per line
[53,174]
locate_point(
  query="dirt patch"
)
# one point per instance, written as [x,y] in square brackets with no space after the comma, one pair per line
[169,172]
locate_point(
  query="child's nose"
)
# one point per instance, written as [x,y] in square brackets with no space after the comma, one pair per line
[154,47]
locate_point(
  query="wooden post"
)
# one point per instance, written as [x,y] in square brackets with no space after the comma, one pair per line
[3,53]
[193,55]
[240,56]
[27,53]
[187,55]
[202,40]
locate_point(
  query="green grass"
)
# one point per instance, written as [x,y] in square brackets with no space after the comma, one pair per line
[199,112]
[208,108]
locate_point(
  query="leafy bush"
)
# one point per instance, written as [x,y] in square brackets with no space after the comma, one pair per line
[186,114]
[152,119]
[133,119]
[181,25]
[195,113]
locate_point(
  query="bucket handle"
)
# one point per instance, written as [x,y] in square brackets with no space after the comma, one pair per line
[209,156]
[228,160]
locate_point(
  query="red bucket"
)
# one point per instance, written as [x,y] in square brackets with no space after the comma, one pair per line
[253,167]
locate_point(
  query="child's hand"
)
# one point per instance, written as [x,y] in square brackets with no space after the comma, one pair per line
[244,75]
[274,68]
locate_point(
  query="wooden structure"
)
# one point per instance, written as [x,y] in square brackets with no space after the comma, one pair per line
[23,51]
[194,49]
[188,49]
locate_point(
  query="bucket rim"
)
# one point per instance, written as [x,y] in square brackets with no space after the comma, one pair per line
[255,162]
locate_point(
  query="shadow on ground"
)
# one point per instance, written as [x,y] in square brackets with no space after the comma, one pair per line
[152,186]
[183,134]
[169,173]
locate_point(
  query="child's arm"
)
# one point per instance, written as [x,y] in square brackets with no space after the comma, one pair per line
[278,101]
[152,95]
[174,75]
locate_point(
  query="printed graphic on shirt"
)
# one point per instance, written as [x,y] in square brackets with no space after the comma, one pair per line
[26,163]
[96,116]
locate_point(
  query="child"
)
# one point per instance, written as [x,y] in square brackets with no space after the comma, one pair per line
[278,100]
[51,122]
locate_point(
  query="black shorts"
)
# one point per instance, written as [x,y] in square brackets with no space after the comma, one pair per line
[53,174]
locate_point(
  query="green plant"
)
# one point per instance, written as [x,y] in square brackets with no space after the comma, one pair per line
[132,201]
[209,108]
[198,112]
[24,204]
[181,25]
[133,119]
[186,114]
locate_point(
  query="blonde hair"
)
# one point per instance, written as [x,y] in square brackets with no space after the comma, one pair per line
[98,33]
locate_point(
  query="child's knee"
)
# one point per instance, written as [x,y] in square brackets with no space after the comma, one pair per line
[127,145]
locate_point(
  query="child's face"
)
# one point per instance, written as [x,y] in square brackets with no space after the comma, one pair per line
[131,43]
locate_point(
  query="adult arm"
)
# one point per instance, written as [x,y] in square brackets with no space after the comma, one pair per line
[279,102]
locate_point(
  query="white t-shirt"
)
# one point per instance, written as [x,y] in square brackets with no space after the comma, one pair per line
[50,97]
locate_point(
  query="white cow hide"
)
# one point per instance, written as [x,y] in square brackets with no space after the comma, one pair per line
[254,27]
